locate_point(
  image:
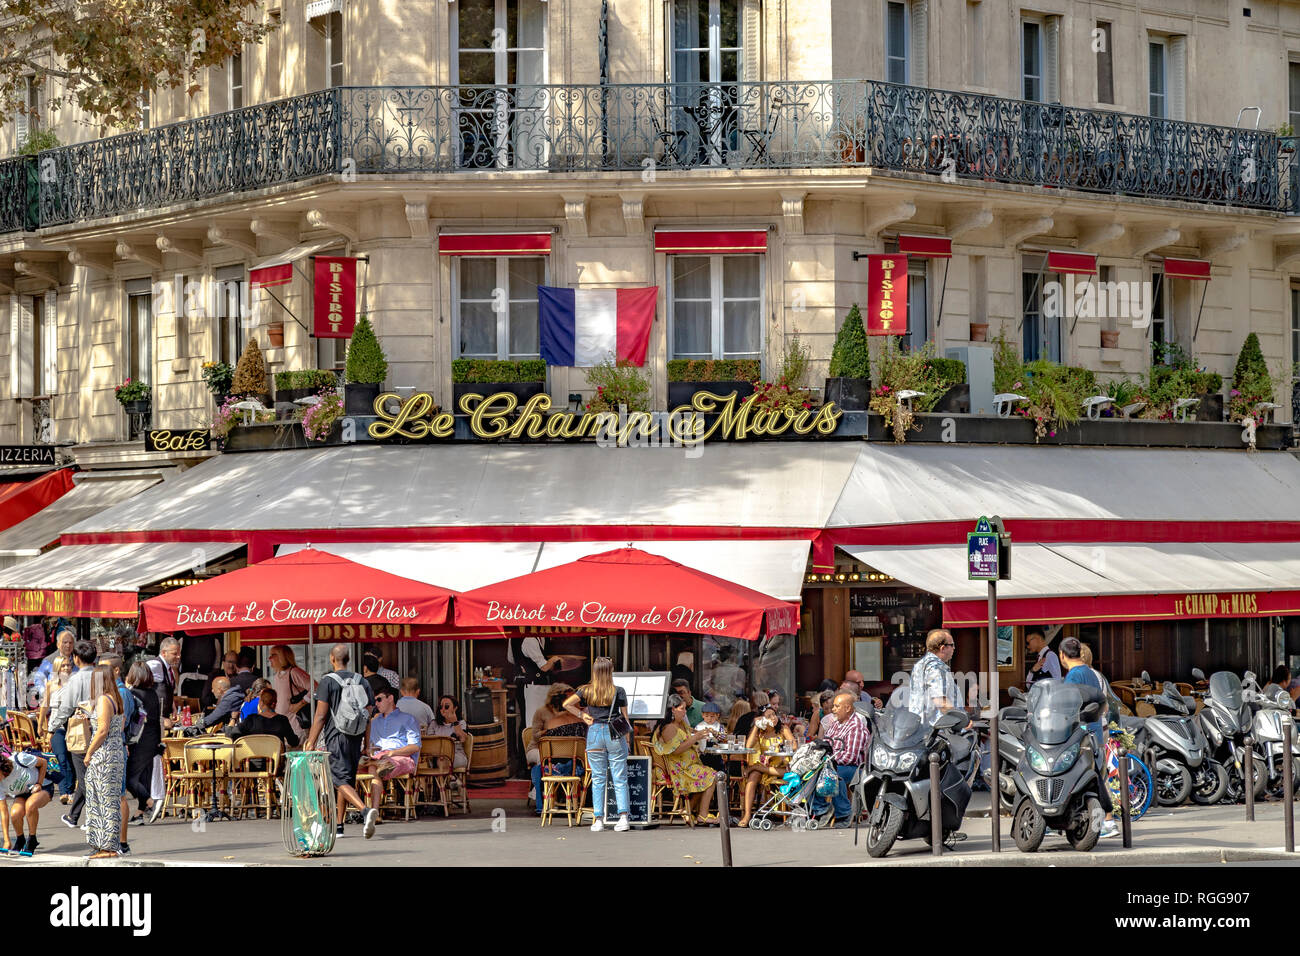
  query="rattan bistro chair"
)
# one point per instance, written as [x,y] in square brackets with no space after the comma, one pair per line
[248,782]
[432,773]
[551,750]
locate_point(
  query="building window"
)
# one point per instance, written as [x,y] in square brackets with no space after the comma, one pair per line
[918,303]
[1105,65]
[1031,60]
[717,307]
[496,306]
[896,42]
[1160,325]
[1157,79]
[28,119]
[975,41]
[1040,328]
[146,109]
[235,81]
[230,294]
[334,48]
[1293,96]
[501,43]
[1295,323]
[138,360]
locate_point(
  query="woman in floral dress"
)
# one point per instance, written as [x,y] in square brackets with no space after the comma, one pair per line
[675,741]
[105,766]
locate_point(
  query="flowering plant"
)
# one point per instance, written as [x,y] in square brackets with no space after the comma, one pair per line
[217,376]
[132,391]
[899,370]
[228,418]
[618,384]
[318,419]
[787,391]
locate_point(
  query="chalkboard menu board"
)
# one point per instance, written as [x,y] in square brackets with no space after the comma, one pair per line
[639,789]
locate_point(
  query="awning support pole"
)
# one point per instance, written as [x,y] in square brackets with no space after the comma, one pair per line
[938,319]
[626,665]
[286,308]
[1204,289]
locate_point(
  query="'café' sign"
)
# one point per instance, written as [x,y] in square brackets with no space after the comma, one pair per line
[501,416]
[165,439]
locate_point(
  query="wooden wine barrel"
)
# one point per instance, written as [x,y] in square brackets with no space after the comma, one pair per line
[487,764]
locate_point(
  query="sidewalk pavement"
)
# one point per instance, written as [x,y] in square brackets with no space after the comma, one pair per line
[508,835]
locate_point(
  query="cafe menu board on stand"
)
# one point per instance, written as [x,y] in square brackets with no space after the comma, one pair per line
[647,693]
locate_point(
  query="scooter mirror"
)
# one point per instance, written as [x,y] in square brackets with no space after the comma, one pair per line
[1146,677]
[952,720]
[1198,673]
[1015,693]
[1090,712]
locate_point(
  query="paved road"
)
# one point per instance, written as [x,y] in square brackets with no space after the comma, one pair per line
[1183,836]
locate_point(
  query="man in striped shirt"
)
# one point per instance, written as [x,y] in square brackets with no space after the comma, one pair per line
[847,733]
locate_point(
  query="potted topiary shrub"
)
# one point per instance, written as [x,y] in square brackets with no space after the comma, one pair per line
[717,376]
[249,381]
[1251,381]
[365,370]
[523,379]
[849,385]
[302,383]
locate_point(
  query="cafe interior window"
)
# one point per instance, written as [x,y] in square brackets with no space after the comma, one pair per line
[717,306]
[1040,327]
[496,306]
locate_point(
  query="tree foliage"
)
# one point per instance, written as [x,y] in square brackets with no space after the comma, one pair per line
[100,55]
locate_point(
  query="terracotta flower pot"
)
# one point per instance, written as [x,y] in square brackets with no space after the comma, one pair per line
[979,331]
[1110,338]
[275,335]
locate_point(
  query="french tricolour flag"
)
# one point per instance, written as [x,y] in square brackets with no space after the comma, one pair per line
[583,327]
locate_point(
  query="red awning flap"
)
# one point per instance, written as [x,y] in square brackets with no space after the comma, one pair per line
[683,241]
[929,247]
[1072,263]
[494,244]
[21,501]
[1195,269]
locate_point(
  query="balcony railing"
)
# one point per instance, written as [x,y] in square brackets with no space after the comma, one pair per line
[18,194]
[593,128]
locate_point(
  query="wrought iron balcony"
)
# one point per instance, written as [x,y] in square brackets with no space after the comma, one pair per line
[18,194]
[624,127]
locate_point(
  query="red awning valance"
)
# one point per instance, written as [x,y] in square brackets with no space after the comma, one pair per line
[1123,607]
[748,240]
[1075,263]
[1197,269]
[929,247]
[20,501]
[495,244]
[43,603]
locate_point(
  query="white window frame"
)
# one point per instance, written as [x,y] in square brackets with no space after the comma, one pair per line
[1160,317]
[228,331]
[713,44]
[907,41]
[919,266]
[335,50]
[1041,77]
[716,303]
[129,356]
[235,81]
[1295,321]
[1163,95]
[1293,104]
[503,317]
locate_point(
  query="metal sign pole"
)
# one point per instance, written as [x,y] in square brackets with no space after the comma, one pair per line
[995,762]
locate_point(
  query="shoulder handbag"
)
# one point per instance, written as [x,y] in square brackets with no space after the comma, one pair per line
[619,725]
[79,731]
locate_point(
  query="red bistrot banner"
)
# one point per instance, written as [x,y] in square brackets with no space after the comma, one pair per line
[336,297]
[887,295]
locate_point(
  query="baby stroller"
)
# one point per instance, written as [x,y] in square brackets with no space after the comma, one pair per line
[792,801]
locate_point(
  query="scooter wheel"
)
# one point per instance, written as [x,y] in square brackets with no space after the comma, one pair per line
[1214,784]
[1083,835]
[1173,788]
[1028,827]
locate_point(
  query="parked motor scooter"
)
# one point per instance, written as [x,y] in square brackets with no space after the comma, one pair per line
[1272,712]
[1176,750]
[1057,777]
[896,785]
[1012,721]
[1226,720]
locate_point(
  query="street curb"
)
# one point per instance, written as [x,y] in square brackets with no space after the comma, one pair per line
[58,859]
[1012,857]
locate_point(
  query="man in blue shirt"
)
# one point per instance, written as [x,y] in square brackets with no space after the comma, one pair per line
[394,747]
[1081,673]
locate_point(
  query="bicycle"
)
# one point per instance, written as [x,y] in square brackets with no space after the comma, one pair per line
[1140,788]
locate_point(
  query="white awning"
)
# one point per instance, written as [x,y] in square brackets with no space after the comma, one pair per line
[1086,581]
[88,498]
[754,485]
[111,567]
[772,567]
[321,8]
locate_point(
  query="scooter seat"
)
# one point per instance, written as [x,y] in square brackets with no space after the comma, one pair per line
[1131,723]
[1013,714]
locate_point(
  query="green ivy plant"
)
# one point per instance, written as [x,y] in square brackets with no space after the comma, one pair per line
[850,357]
[366,364]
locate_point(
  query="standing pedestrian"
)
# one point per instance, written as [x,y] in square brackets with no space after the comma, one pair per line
[105,764]
[344,703]
[933,689]
[139,764]
[77,691]
[603,704]
[1080,673]
[54,688]
[292,687]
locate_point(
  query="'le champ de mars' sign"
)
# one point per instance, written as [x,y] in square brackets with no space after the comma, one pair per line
[501,416]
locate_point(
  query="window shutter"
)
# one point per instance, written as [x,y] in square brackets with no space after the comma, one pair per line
[20,128]
[50,347]
[1176,72]
[26,351]
[751,65]
[918,15]
[1052,60]
[15,324]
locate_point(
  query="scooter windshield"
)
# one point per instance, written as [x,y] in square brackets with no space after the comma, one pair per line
[897,727]
[1054,710]
[1225,687]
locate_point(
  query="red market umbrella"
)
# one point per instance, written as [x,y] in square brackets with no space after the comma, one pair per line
[630,590]
[306,589]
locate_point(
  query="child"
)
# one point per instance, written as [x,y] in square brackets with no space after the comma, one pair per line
[712,719]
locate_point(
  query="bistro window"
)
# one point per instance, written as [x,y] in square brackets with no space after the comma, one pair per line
[717,307]
[496,306]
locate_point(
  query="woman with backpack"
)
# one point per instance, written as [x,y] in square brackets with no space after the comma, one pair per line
[604,711]
[139,761]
